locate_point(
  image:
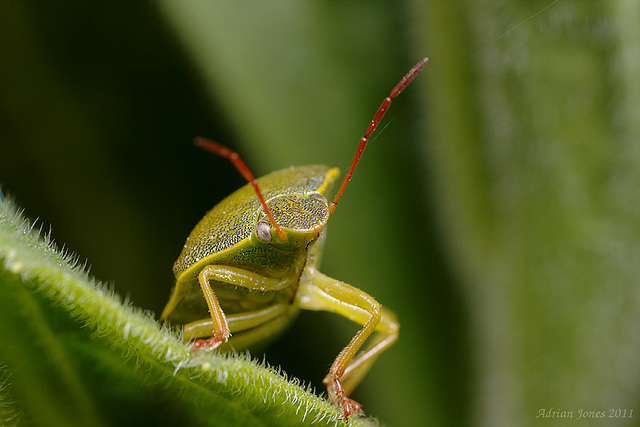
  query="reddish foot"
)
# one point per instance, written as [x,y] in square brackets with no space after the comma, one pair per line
[208,344]
[337,397]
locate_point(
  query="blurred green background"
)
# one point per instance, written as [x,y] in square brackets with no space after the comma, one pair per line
[497,213]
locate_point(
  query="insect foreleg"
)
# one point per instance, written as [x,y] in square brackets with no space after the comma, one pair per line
[234,276]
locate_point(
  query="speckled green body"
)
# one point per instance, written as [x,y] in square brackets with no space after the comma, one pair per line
[225,236]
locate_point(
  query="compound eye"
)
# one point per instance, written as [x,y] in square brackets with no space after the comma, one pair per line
[319,197]
[263,232]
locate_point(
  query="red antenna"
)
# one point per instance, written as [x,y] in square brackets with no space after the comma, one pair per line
[372,126]
[223,151]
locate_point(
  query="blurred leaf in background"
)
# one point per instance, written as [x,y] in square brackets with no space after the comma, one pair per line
[496,213]
[534,133]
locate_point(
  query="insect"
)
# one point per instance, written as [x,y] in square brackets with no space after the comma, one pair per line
[252,263]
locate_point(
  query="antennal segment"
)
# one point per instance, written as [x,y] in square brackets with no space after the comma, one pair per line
[234,157]
[372,126]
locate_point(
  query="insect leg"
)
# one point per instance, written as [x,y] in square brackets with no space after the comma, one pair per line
[360,365]
[237,322]
[269,328]
[235,276]
[319,292]
[221,332]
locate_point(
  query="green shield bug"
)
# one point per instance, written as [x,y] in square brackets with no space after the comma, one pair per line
[252,262]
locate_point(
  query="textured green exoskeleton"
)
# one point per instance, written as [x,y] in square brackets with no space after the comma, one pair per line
[255,282]
[252,262]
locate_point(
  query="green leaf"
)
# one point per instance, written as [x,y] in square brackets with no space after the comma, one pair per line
[74,354]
